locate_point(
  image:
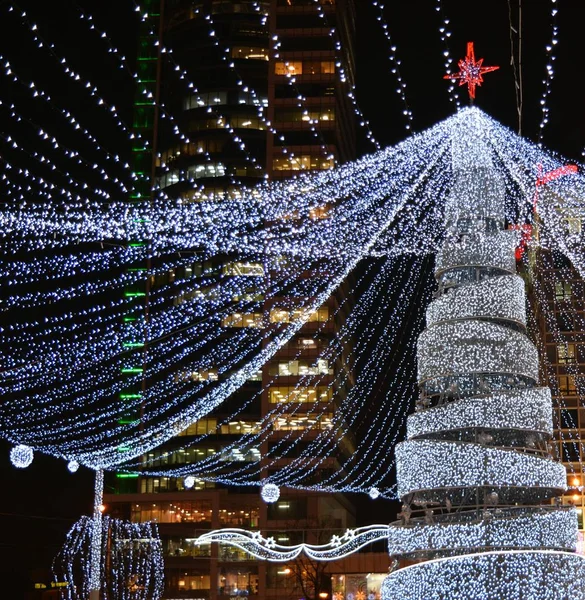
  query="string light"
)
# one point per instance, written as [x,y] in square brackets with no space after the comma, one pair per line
[383,222]
[513,575]
[476,481]
[401,89]
[131,566]
[445,34]
[550,74]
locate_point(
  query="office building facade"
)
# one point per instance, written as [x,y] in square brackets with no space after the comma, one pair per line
[252,90]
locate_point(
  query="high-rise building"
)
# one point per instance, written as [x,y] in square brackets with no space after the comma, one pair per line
[557,294]
[251,90]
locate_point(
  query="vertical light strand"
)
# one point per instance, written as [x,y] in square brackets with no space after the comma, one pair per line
[550,73]
[96,538]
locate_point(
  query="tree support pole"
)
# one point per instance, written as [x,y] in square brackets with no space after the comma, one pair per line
[96,538]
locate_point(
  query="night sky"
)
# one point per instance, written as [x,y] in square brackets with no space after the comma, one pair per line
[38,505]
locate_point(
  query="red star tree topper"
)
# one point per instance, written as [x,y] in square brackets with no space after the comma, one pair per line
[470,71]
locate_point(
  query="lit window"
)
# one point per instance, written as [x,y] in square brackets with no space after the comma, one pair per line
[253,320]
[288,68]
[250,52]
[562,290]
[319,212]
[204,99]
[302,163]
[243,268]
[567,384]
[300,368]
[278,395]
[566,353]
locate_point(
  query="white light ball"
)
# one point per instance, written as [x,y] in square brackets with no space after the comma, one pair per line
[189,482]
[270,492]
[73,465]
[374,493]
[21,456]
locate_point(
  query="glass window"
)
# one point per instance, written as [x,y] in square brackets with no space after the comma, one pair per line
[318,67]
[194,582]
[191,149]
[202,375]
[300,367]
[299,394]
[306,116]
[201,427]
[569,418]
[288,68]
[241,517]
[232,554]
[238,582]
[172,512]
[186,547]
[250,52]
[366,586]
[247,455]
[240,427]
[566,353]
[252,98]
[247,122]
[288,509]
[302,422]
[205,99]
[253,320]
[303,162]
[563,290]
[243,268]
[206,170]
[284,315]
[567,384]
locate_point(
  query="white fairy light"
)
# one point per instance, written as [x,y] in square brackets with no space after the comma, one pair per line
[382,222]
[268,549]
[499,297]
[21,456]
[514,575]
[436,465]
[270,493]
[401,89]
[73,466]
[548,527]
[132,562]
[445,34]
[550,74]
[374,493]
[529,409]
[189,482]
[475,347]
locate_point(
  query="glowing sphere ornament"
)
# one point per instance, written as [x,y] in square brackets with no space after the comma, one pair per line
[374,493]
[270,493]
[21,456]
[73,466]
[189,482]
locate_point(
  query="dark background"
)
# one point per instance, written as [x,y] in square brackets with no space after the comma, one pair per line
[39,504]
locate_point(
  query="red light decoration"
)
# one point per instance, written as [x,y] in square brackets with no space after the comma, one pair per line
[541,179]
[470,71]
[525,237]
[544,178]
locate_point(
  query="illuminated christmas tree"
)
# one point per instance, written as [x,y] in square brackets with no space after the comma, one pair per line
[475,476]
